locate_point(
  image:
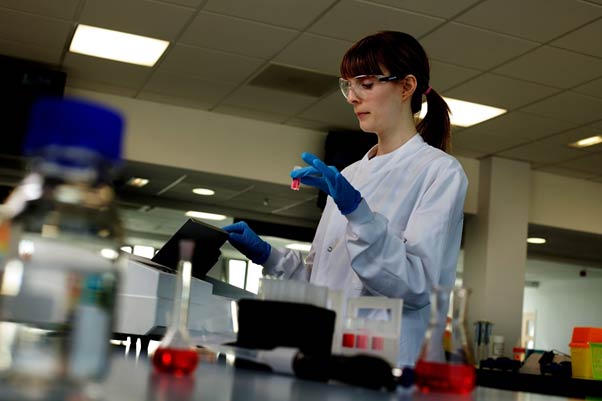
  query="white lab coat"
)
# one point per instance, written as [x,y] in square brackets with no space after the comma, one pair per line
[402,240]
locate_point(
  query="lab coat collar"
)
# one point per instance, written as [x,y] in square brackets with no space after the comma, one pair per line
[403,151]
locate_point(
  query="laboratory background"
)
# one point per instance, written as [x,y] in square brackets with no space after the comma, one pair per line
[216,122]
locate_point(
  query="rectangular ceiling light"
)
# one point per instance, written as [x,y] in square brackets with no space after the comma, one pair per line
[118,46]
[585,142]
[466,114]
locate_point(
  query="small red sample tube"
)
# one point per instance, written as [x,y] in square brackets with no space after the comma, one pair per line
[348,340]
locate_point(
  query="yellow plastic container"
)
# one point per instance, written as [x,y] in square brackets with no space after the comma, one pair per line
[581,354]
[581,360]
[596,351]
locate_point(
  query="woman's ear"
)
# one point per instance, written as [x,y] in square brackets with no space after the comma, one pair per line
[408,86]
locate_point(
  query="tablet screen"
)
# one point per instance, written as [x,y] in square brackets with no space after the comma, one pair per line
[207,238]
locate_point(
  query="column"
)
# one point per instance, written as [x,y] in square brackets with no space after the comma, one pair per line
[495,248]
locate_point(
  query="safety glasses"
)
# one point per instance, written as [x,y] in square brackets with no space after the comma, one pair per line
[363,84]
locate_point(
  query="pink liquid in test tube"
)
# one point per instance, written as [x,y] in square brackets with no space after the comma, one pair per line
[296,183]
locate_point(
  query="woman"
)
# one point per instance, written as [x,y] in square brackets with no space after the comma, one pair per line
[393,221]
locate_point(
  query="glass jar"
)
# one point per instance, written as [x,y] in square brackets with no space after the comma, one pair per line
[59,266]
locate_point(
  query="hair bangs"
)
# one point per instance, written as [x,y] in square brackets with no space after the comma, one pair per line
[362,58]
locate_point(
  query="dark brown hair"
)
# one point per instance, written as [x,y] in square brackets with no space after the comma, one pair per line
[401,54]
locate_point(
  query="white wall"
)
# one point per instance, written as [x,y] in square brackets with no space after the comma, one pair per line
[562,303]
[210,142]
[566,202]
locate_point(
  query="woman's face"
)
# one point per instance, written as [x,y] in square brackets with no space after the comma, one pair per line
[377,105]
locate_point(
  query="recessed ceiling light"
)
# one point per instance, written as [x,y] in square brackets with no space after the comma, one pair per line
[585,142]
[206,216]
[204,191]
[466,114]
[299,247]
[118,46]
[109,253]
[137,182]
[535,240]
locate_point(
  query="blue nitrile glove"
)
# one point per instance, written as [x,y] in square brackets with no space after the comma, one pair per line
[329,180]
[246,241]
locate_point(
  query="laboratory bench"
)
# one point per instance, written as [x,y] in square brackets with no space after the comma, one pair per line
[131,380]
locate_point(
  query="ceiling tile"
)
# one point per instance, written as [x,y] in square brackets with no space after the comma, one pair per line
[484,142]
[308,209]
[102,87]
[444,75]
[288,13]
[44,54]
[105,71]
[498,91]
[593,88]
[580,40]
[263,99]
[39,31]
[476,46]
[249,113]
[209,65]
[315,53]
[236,35]
[567,172]
[64,9]
[140,17]
[573,135]
[550,66]
[568,106]
[459,151]
[352,20]
[445,9]
[590,163]
[188,87]
[538,20]
[520,126]
[334,111]
[543,152]
[175,100]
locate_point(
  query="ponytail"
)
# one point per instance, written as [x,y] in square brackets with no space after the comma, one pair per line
[435,126]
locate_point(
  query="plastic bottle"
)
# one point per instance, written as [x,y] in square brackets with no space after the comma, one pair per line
[59,257]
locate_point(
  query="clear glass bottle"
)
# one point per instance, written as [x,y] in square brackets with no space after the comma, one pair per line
[446,362]
[59,255]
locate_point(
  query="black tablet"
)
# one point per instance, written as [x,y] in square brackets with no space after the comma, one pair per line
[207,242]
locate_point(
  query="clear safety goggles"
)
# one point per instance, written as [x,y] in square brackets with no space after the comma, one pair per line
[363,84]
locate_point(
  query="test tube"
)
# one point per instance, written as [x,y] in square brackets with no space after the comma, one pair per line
[296,183]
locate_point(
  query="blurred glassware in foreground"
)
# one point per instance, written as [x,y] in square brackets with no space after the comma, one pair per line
[446,362]
[59,252]
[177,355]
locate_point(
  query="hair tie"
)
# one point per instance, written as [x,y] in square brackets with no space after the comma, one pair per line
[427,91]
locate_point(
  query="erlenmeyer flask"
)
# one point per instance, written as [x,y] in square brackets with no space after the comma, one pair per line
[176,353]
[446,362]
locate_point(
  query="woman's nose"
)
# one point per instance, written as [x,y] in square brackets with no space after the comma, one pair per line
[352,96]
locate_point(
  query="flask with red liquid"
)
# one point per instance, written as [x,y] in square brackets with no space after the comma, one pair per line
[176,353]
[448,369]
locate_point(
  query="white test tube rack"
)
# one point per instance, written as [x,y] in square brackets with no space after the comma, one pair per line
[359,335]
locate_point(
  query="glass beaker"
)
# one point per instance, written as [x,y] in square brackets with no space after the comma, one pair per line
[176,353]
[446,362]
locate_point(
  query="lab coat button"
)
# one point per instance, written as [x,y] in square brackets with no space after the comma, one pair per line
[329,249]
